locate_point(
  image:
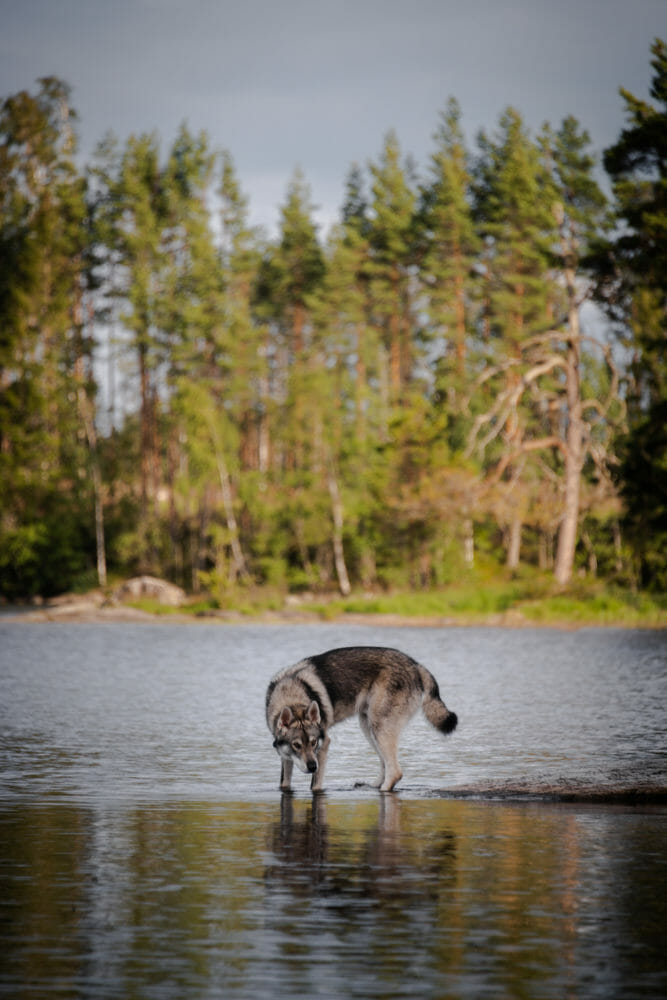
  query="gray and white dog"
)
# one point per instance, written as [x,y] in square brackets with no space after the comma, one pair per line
[384,687]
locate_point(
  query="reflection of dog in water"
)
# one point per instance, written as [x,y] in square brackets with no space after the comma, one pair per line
[382,686]
[384,852]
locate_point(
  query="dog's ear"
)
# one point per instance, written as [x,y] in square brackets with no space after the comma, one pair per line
[285,717]
[313,713]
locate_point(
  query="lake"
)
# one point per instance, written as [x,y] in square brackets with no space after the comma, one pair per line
[145,849]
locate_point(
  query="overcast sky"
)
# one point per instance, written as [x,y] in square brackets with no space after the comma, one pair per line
[317,83]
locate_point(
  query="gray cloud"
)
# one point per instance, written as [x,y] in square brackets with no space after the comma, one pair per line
[310,82]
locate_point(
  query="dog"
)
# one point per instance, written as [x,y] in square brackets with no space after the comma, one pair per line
[384,687]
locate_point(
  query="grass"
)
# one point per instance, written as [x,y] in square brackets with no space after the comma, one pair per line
[514,602]
[531,599]
[612,608]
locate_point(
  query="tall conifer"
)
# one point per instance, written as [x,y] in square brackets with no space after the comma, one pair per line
[514,198]
[138,207]
[637,165]
[451,243]
[45,357]
[391,237]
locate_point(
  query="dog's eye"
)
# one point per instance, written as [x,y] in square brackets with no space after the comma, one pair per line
[314,741]
[296,745]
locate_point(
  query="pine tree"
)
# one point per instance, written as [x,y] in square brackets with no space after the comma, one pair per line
[298,264]
[44,353]
[391,238]
[354,212]
[343,365]
[240,258]
[637,166]
[290,276]
[136,217]
[514,198]
[450,246]
[198,326]
[289,279]
[448,254]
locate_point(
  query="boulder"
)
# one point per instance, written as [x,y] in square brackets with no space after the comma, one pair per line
[150,586]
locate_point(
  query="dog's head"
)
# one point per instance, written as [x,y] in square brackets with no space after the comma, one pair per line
[298,736]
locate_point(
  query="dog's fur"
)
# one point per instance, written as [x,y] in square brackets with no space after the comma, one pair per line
[382,686]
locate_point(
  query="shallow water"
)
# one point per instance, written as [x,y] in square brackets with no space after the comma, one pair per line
[145,850]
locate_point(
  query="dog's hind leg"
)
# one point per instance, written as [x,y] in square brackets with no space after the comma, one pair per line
[367,730]
[386,741]
[387,714]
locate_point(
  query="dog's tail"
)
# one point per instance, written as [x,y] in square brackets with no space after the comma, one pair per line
[433,706]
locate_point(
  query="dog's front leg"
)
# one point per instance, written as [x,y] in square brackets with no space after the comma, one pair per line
[318,777]
[285,774]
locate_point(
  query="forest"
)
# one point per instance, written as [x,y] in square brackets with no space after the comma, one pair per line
[466,373]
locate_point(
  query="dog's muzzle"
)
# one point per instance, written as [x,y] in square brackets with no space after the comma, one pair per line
[312,766]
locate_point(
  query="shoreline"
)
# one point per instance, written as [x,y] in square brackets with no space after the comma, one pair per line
[85,611]
[80,613]
[152,600]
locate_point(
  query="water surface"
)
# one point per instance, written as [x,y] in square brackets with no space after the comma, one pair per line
[126,711]
[145,850]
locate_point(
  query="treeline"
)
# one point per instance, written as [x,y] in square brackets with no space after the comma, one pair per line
[181,395]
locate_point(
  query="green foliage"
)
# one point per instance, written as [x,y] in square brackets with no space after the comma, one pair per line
[391,235]
[637,165]
[514,198]
[47,555]
[20,559]
[381,409]
[643,455]
[45,346]
[512,603]
[623,609]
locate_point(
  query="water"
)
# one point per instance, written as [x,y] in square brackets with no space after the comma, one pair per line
[145,850]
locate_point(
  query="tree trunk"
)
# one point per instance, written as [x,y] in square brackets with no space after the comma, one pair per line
[150,462]
[545,550]
[91,436]
[173,456]
[238,558]
[618,548]
[264,438]
[145,430]
[395,340]
[460,323]
[567,535]
[237,552]
[360,387]
[337,516]
[468,542]
[514,543]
